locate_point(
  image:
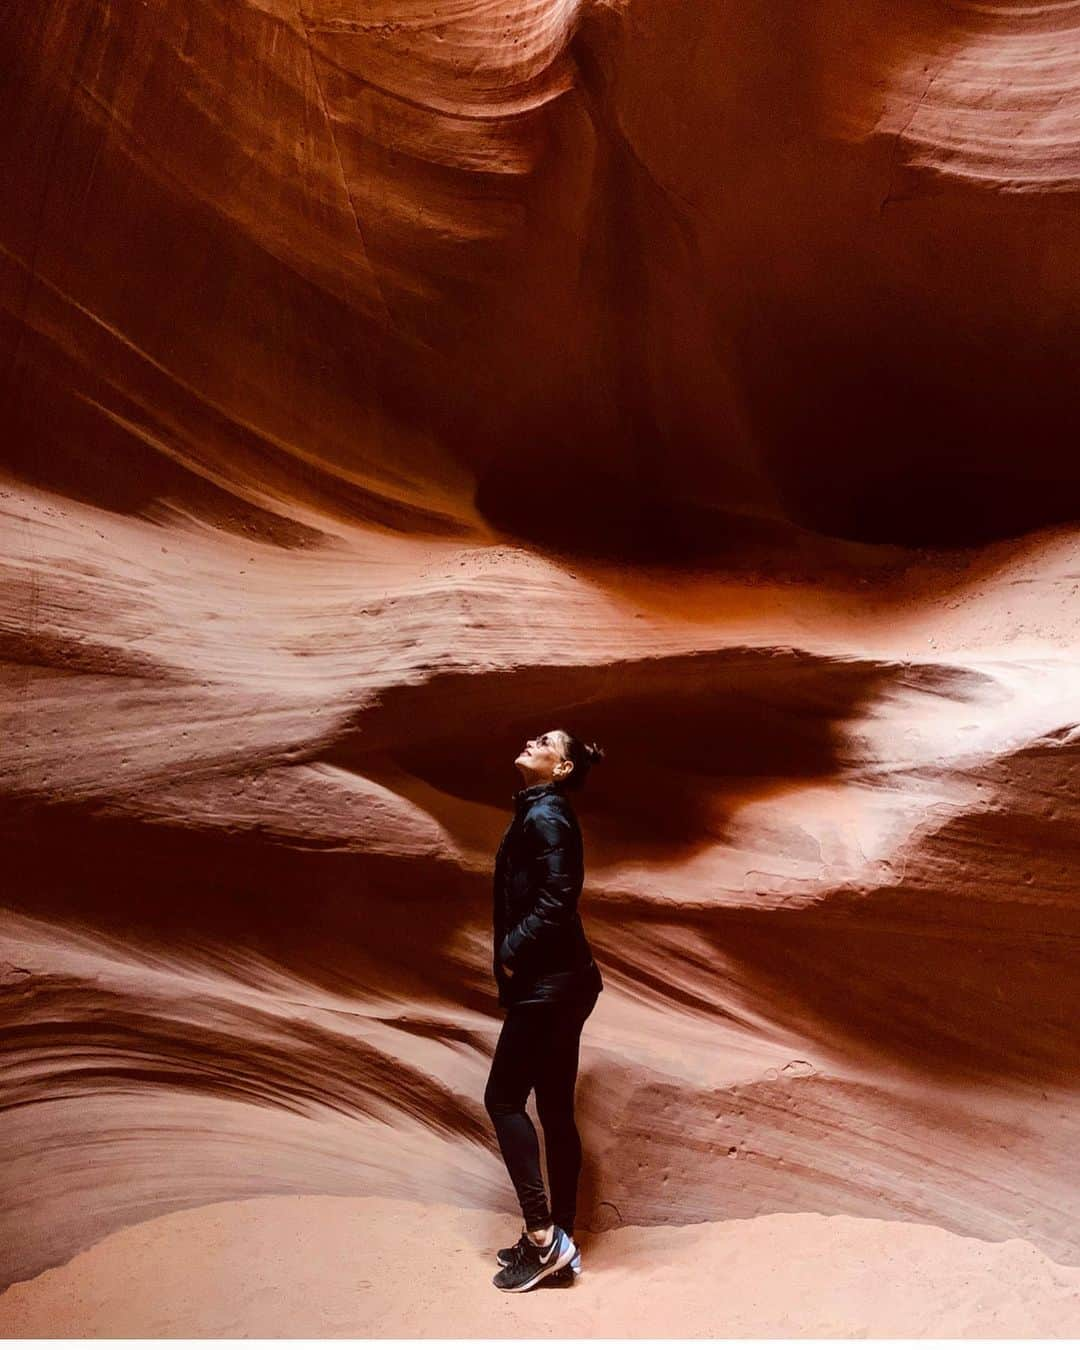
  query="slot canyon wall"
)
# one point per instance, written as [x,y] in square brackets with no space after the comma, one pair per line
[383,384]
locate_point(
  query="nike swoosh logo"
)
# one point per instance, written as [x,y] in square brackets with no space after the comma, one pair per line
[554,1248]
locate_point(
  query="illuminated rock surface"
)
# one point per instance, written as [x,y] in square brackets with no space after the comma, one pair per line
[383,387]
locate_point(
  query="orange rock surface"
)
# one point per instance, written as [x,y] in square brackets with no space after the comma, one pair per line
[385,383]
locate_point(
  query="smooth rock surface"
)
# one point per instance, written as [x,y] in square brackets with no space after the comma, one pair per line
[381,388]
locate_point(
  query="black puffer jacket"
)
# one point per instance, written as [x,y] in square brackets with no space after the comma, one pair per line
[539,872]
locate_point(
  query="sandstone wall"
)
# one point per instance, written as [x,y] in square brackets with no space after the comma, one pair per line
[383,385]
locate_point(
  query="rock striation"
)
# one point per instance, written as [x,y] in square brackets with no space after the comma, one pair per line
[383,382]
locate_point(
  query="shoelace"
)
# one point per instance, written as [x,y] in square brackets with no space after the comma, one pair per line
[525,1246]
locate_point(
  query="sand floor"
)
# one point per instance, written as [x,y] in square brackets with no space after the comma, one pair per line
[329,1266]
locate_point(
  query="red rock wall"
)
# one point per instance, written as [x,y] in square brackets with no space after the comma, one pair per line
[379,386]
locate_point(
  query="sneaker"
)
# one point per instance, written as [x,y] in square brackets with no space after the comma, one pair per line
[507,1255]
[531,1264]
[565,1275]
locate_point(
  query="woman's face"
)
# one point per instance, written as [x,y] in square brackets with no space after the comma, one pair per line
[542,760]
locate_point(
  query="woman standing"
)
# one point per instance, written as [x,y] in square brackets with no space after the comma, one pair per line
[549,984]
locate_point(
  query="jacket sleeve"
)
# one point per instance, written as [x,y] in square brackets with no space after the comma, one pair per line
[557,887]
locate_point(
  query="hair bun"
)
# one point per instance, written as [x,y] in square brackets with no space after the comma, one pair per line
[595,752]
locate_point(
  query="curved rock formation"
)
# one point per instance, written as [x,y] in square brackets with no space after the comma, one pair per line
[381,385]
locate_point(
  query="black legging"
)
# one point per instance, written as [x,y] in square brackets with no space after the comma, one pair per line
[538,1048]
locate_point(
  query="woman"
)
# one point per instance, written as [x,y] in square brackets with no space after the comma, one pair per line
[549,984]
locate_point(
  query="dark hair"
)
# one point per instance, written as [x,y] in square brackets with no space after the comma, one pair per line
[584,754]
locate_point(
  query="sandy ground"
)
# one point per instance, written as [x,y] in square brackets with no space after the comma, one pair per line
[328,1267]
